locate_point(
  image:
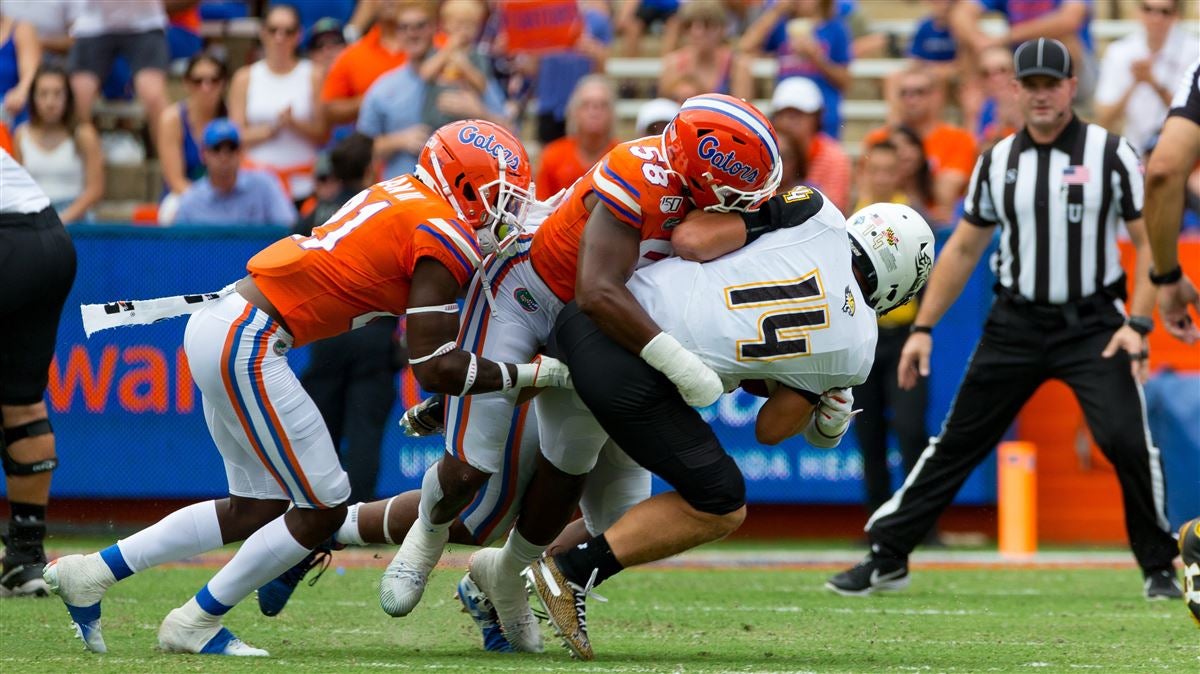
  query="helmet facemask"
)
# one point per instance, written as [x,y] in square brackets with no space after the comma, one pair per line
[505,213]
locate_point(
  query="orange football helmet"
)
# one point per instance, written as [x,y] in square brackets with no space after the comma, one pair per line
[726,151]
[483,171]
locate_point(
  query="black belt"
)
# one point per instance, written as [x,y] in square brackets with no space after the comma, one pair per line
[1067,313]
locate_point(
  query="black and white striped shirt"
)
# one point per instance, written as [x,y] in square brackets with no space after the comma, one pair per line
[1186,102]
[1057,206]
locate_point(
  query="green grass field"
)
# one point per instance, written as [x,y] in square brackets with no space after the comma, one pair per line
[658,620]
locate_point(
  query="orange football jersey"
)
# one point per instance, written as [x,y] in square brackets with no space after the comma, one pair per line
[359,265]
[635,182]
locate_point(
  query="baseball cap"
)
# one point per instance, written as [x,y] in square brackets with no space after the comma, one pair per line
[221,130]
[1043,56]
[798,93]
[325,26]
[657,110]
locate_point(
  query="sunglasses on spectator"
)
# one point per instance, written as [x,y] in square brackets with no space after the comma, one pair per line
[286,31]
[919,91]
[224,147]
[201,81]
[416,26]
[1161,11]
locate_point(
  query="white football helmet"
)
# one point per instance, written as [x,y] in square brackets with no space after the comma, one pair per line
[892,246]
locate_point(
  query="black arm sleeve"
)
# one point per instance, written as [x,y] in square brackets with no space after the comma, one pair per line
[793,208]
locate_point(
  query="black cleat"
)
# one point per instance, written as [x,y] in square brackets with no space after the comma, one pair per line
[1162,584]
[21,570]
[872,574]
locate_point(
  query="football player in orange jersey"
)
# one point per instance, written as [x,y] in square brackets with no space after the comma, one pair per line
[719,154]
[404,246]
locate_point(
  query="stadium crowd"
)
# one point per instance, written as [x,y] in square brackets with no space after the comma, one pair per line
[295,79]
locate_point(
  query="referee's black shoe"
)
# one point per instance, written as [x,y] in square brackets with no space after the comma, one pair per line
[874,573]
[1162,584]
[21,571]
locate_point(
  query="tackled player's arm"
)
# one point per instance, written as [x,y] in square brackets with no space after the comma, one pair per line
[608,254]
[786,413]
[437,362]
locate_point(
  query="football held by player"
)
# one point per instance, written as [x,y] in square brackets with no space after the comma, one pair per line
[406,245]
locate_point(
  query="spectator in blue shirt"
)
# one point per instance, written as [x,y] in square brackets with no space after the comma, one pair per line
[932,40]
[811,41]
[230,195]
[392,109]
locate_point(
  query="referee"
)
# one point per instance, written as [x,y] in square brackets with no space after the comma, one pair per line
[1057,190]
[37,268]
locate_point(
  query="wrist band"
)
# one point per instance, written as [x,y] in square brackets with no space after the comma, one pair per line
[1143,325]
[1167,277]
[923,329]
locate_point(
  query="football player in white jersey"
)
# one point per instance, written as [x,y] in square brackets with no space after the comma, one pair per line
[795,309]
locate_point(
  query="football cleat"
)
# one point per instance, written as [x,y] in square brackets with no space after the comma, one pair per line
[274,596]
[476,604]
[21,569]
[565,604]
[181,634]
[872,574]
[404,578]
[23,580]
[81,582]
[507,595]
[1162,585]
[1189,550]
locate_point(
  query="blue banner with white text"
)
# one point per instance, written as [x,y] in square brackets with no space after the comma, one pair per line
[129,419]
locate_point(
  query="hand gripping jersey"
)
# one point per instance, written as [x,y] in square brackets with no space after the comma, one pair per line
[636,183]
[786,307]
[359,265]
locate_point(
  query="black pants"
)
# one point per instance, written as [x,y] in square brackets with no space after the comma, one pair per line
[642,411]
[886,406]
[37,269]
[351,378]
[1020,350]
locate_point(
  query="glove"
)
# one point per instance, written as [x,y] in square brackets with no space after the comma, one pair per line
[425,418]
[543,372]
[697,383]
[832,417]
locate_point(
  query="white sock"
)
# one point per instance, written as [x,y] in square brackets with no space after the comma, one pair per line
[348,533]
[431,495]
[267,553]
[186,532]
[518,553]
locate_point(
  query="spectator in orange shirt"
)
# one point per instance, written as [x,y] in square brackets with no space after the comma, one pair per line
[591,123]
[357,68]
[951,151]
[798,107]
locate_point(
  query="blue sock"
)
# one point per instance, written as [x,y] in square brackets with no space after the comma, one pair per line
[116,562]
[210,605]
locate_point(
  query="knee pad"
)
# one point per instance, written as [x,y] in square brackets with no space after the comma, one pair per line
[14,468]
[716,489]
